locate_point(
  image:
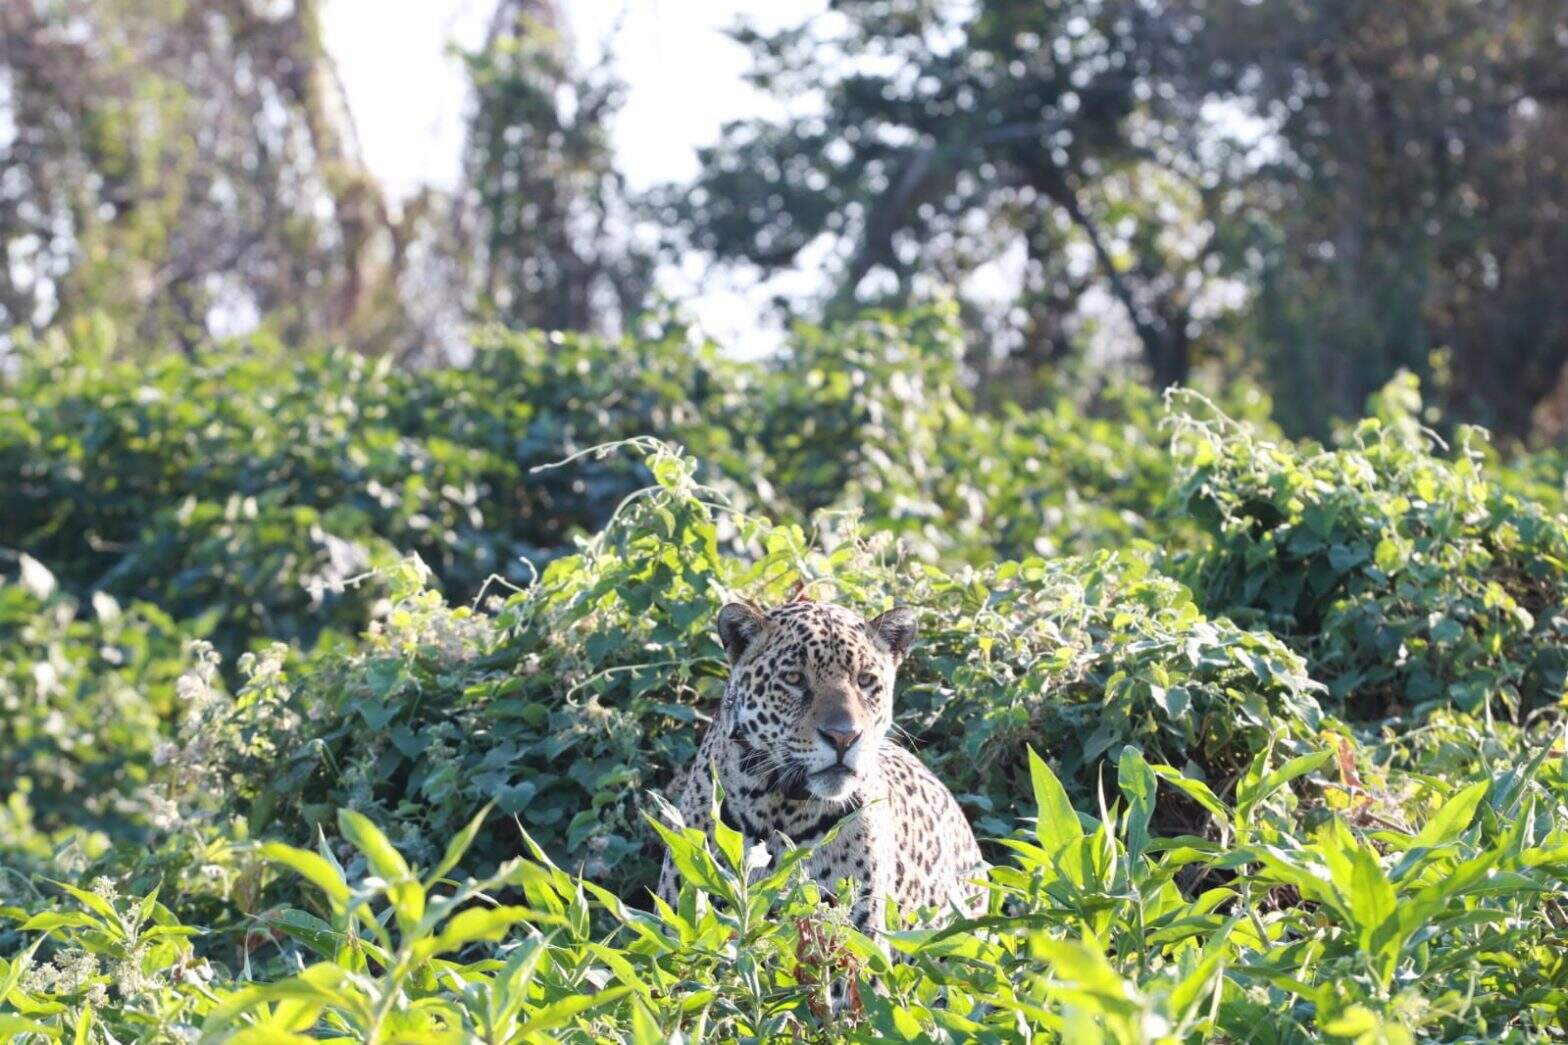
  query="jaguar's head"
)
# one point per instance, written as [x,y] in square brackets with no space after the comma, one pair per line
[810,696]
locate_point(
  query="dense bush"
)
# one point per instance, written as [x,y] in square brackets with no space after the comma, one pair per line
[249,484]
[1317,790]
[1432,929]
[84,693]
[588,688]
[1406,576]
[875,417]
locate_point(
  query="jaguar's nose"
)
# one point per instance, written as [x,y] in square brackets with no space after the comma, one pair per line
[841,737]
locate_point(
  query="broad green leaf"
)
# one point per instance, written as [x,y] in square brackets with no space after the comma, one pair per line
[459,845]
[1453,817]
[645,1029]
[97,904]
[1371,895]
[403,889]
[49,921]
[305,927]
[16,969]
[690,857]
[379,853]
[622,968]
[1138,783]
[562,1012]
[1085,969]
[321,984]
[1057,825]
[271,1035]
[1190,991]
[1299,766]
[147,907]
[478,923]
[13,1027]
[1251,781]
[1196,790]
[509,992]
[313,868]
[731,844]
[408,904]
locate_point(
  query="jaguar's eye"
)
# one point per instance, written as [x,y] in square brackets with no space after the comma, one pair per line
[866,680]
[793,678]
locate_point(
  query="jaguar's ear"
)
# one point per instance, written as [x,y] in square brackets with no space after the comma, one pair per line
[739,624]
[894,631]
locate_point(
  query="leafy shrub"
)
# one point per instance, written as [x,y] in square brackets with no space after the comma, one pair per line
[83,698]
[1437,931]
[589,687]
[1540,476]
[1408,578]
[858,414]
[874,417]
[248,484]
[1212,855]
[528,400]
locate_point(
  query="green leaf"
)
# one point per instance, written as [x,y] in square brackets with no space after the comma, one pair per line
[49,921]
[320,984]
[1252,780]
[1299,766]
[305,927]
[13,1027]
[645,1029]
[1196,790]
[478,923]
[1388,556]
[1084,967]
[510,985]
[690,857]
[564,1011]
[147,907]
[1057,825]
[1371,895]
[312,868]
[1453,817]
[16,969]
[1190,990]
[1138,783]
[408,904]
[729,841]
[97,904]
[459,845]
[384,860]
[405,892]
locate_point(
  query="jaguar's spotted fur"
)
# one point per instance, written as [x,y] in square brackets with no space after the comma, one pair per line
[801,741]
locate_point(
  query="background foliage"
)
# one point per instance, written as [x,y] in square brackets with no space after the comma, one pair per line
[1315,198]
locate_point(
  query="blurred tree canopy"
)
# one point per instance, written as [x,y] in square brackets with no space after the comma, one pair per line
[1413,198]
[1318,193]
[188,167]
[942,135]
[179,166]
[1312,195]
[549,208]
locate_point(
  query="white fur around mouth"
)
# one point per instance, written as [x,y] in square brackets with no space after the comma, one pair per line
[833,784]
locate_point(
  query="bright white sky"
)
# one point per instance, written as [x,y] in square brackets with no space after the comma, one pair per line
[407,93]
